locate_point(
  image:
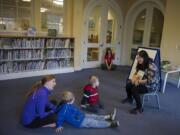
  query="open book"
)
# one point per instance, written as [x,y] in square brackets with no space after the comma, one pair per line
[139,75]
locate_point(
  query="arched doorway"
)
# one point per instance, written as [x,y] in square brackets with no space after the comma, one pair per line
[144,25]
[102,29]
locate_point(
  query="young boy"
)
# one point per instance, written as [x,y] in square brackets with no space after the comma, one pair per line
[73,115]
[90,100]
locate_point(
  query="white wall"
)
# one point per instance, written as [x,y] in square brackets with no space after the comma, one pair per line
[171,32]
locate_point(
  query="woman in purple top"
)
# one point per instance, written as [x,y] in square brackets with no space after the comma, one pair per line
[38,111]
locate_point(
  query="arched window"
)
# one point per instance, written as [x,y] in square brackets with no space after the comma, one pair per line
[156,28]
[139,28]
[147,26]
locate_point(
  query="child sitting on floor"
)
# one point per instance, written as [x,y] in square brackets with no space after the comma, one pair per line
[90,100]
[72,115]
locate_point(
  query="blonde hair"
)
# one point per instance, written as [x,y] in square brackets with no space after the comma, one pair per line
[39,84]
[67,96]
[93,79]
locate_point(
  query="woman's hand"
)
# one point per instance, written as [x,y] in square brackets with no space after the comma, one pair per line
[136,82]
[59,129]
[133,80]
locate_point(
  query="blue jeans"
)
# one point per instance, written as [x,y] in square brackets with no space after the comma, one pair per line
[94,121]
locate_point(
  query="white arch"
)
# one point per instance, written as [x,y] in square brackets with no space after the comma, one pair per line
[88,9]
[131,16]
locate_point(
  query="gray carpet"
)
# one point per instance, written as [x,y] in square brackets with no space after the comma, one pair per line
[165,121]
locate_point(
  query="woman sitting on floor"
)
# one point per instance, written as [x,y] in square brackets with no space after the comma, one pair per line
[108,60]
[145,79]
[38,111]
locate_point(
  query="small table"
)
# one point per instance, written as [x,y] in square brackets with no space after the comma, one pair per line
[169,71]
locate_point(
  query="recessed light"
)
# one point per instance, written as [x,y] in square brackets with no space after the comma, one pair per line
[43,10]
[58,2]
[26,0]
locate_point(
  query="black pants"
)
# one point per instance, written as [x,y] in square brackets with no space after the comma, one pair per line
[135,92]
[104,67]
[40,122]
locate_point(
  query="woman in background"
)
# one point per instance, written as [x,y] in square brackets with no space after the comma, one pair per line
[108,60]
[38,111]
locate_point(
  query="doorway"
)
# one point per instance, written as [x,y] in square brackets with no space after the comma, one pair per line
[102,30]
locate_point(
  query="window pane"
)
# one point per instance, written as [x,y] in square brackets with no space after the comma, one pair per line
[156,28]
[10,2]
[15,15]
[94,25]
[52,15]
[8,18]
[93,54]
[110,27]
[139,28]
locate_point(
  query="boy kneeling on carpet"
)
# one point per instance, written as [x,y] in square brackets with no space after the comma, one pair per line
[67,112]
[90,101]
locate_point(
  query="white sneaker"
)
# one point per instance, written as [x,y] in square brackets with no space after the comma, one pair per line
[113,115]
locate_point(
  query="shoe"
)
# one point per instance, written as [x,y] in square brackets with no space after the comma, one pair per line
[113,115]
[136,110]
[114,124]
[127,100]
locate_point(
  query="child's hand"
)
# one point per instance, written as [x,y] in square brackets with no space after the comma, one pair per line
[59,129]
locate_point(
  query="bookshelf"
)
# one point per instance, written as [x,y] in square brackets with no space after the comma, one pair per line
[22,56]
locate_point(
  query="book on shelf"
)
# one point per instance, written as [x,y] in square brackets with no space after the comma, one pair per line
[52,32]
[29,54]
[31,31]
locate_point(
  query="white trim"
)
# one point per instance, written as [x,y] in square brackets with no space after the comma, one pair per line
[85,95]
[34,73]
[136,8]
[93,95]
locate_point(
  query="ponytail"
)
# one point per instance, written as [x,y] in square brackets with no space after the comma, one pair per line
[39,84]
[34,88]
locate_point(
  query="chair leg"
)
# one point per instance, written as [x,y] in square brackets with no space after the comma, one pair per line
[157,98]
[148,98]
[143,99]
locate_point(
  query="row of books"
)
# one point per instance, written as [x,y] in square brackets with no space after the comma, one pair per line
[7,43]
[59,43]
[58,53]
[20,54]
[13,67]
[55,64]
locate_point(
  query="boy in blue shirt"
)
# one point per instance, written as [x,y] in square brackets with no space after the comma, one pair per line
[67,112]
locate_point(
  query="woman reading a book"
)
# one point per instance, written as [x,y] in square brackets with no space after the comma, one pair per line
[38,111]
[145,79]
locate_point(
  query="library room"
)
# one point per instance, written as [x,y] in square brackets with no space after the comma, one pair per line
[89,67]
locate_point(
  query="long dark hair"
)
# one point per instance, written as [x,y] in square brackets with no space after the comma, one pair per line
[39,84]
[146,60]
[108,49]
